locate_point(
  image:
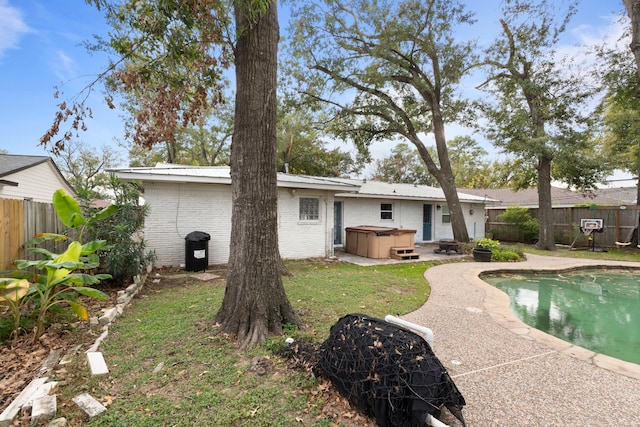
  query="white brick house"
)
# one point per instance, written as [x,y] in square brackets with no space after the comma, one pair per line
[183,199]
[407,206]
[313,212]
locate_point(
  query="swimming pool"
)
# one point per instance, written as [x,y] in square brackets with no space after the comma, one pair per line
[595,309]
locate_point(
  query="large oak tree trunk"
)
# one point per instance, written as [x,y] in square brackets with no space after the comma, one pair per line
[633,10]
[444,174]
[447,180]
[546,239]
[255,303]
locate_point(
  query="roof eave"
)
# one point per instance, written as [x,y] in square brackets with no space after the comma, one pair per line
[317,186]
[155,177]
[146,177]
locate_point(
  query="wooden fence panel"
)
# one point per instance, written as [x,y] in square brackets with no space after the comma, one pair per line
[20,221]
[11,232]
[620,225]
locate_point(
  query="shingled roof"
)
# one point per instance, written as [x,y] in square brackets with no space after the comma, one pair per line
[11,163]
[528,198]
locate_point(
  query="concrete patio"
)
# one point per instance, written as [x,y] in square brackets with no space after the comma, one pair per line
[509,373]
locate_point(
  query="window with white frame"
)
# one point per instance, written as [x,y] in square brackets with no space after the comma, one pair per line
[309,209]
[446,215]
[386,210]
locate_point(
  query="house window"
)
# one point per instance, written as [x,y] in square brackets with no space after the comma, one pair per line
[446,215]
[386,211]
[309,209]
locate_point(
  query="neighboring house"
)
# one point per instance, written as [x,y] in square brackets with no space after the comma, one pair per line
[528,198]
[33,178]
[27,184]
[312,211]
[620,195]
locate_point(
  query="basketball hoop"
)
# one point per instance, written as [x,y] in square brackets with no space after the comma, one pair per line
[590,225]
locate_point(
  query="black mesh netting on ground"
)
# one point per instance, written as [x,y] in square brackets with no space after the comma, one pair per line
[387,372]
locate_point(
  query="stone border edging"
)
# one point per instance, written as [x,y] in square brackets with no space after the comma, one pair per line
[33,394]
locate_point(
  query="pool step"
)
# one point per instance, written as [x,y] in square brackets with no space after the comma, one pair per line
[404,253]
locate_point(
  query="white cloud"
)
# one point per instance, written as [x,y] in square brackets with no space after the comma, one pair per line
[608,33]
[64,66]
[11,27]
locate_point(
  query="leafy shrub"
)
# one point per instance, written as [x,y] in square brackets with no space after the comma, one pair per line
[126,255]
[521,218]
[505,255]
[518,249]
[487,243]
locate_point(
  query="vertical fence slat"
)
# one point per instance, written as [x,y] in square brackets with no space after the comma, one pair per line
[11,232]
[20,221]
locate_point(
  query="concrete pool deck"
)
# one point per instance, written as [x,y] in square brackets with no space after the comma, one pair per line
[511,374]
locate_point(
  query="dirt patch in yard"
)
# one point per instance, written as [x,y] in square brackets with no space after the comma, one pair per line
[21,362]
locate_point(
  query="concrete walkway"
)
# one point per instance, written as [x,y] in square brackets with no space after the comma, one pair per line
[511,374]
[425,250]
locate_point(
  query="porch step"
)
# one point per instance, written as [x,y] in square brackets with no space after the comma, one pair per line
[404,253]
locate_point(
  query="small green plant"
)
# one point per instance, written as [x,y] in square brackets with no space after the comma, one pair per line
[61,284]
[487,243]
[12,294]
[505,255]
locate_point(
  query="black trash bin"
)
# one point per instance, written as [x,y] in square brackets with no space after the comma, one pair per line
[196,251]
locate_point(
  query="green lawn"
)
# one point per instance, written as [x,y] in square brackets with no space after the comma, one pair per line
[201,378]
[626,254]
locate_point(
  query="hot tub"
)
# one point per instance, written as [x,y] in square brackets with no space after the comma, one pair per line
[376,242]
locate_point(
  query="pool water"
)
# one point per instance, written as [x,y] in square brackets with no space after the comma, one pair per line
[595,309]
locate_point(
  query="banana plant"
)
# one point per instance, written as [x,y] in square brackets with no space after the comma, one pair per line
[64,280]
[12,293]
[64,275]
[70,213]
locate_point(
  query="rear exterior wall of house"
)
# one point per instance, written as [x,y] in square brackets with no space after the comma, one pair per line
[178,209]
[408,214]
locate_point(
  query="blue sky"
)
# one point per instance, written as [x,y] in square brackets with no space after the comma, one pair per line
[40,48]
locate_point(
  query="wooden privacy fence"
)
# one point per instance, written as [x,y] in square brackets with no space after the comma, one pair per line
[620,225]
[21,220]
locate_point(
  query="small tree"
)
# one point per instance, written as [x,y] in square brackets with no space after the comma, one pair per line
[403,165]
[301,148]
[84,168]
